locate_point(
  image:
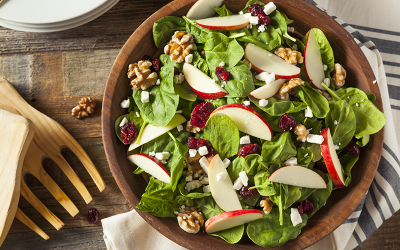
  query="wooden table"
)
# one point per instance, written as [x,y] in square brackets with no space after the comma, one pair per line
[53,71]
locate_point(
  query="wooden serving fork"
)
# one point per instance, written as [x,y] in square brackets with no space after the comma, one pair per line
[50,137]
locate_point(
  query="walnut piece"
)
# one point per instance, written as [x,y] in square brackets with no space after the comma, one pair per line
[325,94]
[339,77]
[179,46]
[193,129]
[301,131]
[289,55]
[142,75]
[293,83]
[266,204]
[86,106]
[190,220]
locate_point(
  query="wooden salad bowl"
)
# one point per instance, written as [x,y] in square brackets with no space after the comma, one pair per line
[342,201]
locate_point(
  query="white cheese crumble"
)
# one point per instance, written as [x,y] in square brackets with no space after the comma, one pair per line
[336,147]
[290,29]
[222,86]
[192,152]
[308,113]
[335,122]
[158,82]
[226,162]
[247,15]
[125,104]
[152,153]
[245,139]
[203,150]
[318,139]
[241,13]
[204,180]
[207,189]
[244,178]
[263,102]
[180,128]
[249,26]
[163,156]
[221,64]
[325,67]
[189,58]
[327,81]
[291,162]
[247,103]
[221,176]
[262,76]
[270,78]
[193,185]
[204,164]
[179,78]
[123,122]
[269,8]
[145,96]
[261,28]
[238,184]
[295,216]
[189,178]
[253,20]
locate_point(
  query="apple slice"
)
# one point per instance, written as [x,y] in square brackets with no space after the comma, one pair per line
[202,84]
[233,22]
[268,90]
[264,61]
[247,120]
[331,159]
[313,65]
[203,9]
[151,165]
[222,190]
[151,132]
[231,219]
[298,176]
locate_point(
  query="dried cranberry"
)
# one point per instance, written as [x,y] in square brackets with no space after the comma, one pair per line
[295,35]
[248,193]
[200,114]
[147,58]
[221,73]
[202,142]
[93,216]
[352,148]
[192,143]
[176,71]
[256,9]
[263,19]
[249,149]
[287,122]
[320,165]
[305,206]
[128,132]
[155,64]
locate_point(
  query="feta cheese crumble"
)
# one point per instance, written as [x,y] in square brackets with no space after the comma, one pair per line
[253,20]
[327,81]
[291,162]
[180,128]
[244,178]
[247,103]
[125,104]
[192,152]
[247,15]
[270,78]
[295,216]
[204,164]
[221,176]
[179,78]
[325,67]
[152,153]
[263,102]
[308,113]
[336,147]
[123,122]
[203,150]
[207,189]
[221,64]
[226,162]
[145,96]
[238,184]
[269,8]
[189,58]
[262,76]
[290,29]
[163,156]
[193,185]
[245,139]
[335,122]
[318,139]
[261,28]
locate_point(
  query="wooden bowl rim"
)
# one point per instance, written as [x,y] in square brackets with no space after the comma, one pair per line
[108,127]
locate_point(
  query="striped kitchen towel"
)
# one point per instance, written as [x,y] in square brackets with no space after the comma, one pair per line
[372,31]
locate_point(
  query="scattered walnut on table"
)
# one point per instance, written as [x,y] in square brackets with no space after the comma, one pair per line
[289,55]
[301,131]
[266,204]
[142,75]
[339,77]
[190,220]
[179,46]
[293,83]
[86,106]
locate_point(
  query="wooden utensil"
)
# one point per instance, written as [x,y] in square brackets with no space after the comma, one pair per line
[16,132]
[50,137]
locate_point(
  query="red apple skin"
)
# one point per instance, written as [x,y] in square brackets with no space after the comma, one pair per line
[211,96]
[229,214]
[234,27]
[242,106]
[155,160]
[260,70]
[305,68]
[328,160]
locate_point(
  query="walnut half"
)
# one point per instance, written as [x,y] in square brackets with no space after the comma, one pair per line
[289,55]
[190,220]
[301,131]
[179,46]
[266,204]
[86,106]
[141,75]
[293,83]
[339,77]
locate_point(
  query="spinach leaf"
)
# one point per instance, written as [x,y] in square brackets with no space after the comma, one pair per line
[218,102]
[314,123]
[199,33]
[165,27]
[263,185]
[164,143]
[118,129]
[137,120]
[200,62]
[300,45]
[317,103]
[348,162]
[159,199]
[223,11]
[186,107]
[293,194]
[184,91]
[132,104]
[325,50]
[242,83]
[306,192]
[269,39]
[279,149]
[304,157]
[176,161]
[219,48]
[279,22]
[363,141]
[319,197]
[267,231]
[209,208]
[223,134]
[279,108]
[251,164]
[163,100]
[166,60]
[316,150]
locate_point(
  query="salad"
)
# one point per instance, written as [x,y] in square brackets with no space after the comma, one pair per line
[244,125]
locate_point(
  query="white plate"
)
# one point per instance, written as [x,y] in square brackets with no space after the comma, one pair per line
[46,11]
[61,25]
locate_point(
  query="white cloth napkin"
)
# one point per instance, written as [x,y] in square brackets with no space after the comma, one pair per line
[130,231]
